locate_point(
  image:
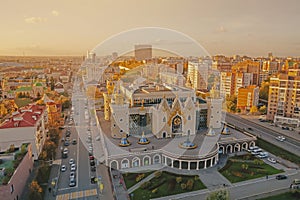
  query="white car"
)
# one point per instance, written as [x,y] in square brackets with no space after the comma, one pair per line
[280,138]
[66,151]
[71,161]
[272,160]
[73,167]
[63,168]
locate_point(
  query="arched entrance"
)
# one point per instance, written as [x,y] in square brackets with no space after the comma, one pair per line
[114,165]
[177,124]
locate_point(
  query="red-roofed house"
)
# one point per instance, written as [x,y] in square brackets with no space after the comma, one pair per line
[27,125]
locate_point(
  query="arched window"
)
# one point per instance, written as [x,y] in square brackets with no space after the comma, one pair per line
[189,117]
[164,119]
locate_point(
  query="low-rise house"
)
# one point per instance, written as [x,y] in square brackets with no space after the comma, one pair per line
[27,125]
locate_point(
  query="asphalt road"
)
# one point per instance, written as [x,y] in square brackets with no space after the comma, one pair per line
[269,135]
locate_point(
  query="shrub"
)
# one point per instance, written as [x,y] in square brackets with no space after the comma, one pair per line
[227,166]
[183,186]
[172,184]
[238,174]
[145,185]
[190,184]
[196,178]
[154,191]
[139,177]
[162,181]
[179,179]
[157,174]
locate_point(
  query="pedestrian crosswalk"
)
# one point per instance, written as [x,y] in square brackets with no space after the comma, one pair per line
[76,195]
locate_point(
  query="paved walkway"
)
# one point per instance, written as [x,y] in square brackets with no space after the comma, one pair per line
[136,186]
[119,185]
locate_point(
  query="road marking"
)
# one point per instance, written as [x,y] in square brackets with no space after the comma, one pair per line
[76,195]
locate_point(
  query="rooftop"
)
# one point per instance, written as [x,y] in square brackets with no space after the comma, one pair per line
[25,117]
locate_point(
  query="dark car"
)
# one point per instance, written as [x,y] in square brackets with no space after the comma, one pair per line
[67,143]
[74,141]
[93,180]
[92,163]
[93,168]
[250,129]
[281,177]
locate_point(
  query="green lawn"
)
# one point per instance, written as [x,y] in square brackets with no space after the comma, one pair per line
[22,101]
[287,195]
[278,151]
[235,172]
[129,178]
[166,189]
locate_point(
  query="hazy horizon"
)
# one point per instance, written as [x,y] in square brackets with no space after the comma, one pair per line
[71,27]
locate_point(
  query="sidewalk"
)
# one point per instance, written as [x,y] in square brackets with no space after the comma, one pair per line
[107,192]
[119,185]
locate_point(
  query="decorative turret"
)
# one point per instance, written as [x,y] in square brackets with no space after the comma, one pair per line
[225,130]
[143,140]
[124,141]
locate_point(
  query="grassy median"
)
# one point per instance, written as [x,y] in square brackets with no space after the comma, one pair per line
[273,149]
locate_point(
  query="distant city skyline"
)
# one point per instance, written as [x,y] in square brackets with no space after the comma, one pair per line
[71,27]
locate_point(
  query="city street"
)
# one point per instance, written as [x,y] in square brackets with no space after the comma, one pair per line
[290,144]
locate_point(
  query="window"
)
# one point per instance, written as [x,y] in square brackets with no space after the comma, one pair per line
[12,189]
[164,119]
[121,120]
[121,131]
[189,117]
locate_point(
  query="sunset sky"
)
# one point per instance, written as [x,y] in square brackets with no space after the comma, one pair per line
[71,27]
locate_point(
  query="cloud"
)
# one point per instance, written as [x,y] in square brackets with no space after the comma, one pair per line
[35,20]
[55,13]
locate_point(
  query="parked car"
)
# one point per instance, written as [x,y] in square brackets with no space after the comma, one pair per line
[93,168]
[272,160]
[281,177]
[73,167]
[67,143]
[63,168]
[92,163]
[71,161]
[72,175]
[72,182]
[92,157]
[74,141]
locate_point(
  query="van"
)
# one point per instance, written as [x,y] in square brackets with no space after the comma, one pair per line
[295,184]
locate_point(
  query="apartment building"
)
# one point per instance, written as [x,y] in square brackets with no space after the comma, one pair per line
[247,97]
[284,99]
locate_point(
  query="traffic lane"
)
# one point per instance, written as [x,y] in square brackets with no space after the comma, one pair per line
[267,135]
[64,178]
[83,165]
[263,128]
[250,188]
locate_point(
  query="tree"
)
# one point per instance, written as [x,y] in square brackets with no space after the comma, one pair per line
[263,109]
[35,191]
[218,195]
[231,102]
[264,90]
[245,166]
[253,110]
